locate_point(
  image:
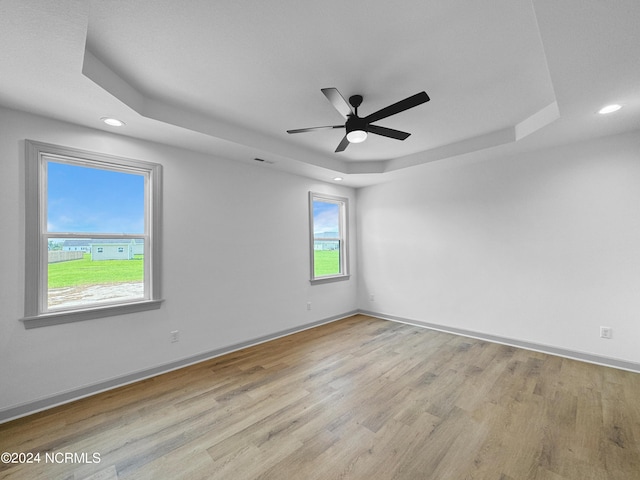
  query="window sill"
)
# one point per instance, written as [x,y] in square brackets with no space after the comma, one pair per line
[337,278]
[69,316]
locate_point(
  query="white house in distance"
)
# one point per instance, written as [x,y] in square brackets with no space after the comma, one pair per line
[321,241]
[130,248]
[79,245]
[111,251]
[138,246]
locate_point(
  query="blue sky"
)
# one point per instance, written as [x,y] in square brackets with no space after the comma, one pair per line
[82,199]
[326,217]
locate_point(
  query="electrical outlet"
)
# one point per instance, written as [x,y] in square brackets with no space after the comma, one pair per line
[308,305]
[372,297]
[174,336]
[606,332]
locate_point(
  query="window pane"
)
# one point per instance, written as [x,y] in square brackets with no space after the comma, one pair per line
[83,199]
[326,219]
[326,257]
[326,233]
[83,271]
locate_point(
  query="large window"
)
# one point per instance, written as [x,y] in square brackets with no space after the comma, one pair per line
[92,235]
[329,246]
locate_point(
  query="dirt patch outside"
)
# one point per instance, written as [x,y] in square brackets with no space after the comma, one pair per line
[84,295]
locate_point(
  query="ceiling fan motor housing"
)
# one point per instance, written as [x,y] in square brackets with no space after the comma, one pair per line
[356,123]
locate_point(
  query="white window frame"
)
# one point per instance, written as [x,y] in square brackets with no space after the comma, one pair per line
[343,237]
[37,313]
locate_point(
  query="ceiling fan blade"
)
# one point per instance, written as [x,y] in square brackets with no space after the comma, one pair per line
[343,145]
[338,101]
[313,129]
[401,106]
[388,132]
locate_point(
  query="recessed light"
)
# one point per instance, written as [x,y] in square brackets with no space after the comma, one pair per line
[609,109]
[113,122]
[338,179]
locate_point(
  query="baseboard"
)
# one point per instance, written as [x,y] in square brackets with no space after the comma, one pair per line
[561,352]
[46,403]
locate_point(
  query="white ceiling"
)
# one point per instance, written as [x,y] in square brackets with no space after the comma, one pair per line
[229,78]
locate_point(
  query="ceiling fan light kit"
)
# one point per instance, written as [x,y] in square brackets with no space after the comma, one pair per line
[356,136]
[357,128]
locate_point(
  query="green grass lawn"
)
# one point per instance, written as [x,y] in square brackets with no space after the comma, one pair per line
[86,272]
[326,262]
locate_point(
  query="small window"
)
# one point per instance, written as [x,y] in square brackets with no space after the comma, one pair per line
[329,245]
[74,222]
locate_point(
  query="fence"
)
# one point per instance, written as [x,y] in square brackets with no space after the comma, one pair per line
[326,244]
[63,256]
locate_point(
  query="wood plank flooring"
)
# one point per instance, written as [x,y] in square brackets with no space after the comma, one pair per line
[360,398]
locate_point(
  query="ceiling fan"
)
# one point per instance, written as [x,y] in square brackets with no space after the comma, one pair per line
[358,127]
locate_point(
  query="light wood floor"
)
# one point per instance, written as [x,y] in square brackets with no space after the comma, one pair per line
[356,399]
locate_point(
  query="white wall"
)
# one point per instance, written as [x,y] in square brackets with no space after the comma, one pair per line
[231,292]
[541,248]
